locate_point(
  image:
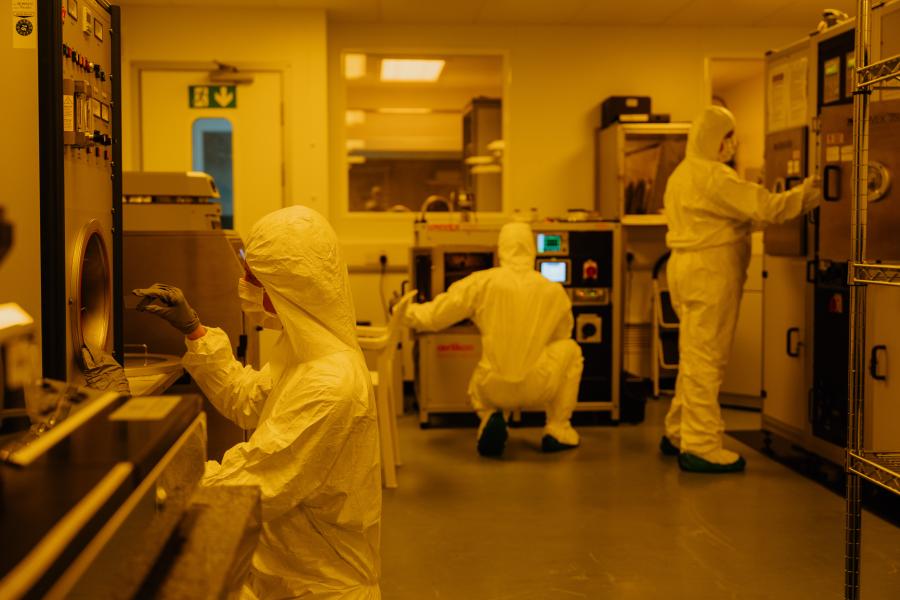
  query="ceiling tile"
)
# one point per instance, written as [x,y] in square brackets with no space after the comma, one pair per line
[529,12]
[739,13]
[625,13]
[455,12]
[804,13]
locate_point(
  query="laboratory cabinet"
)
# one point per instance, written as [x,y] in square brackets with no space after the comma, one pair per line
[882,416]
[785,342]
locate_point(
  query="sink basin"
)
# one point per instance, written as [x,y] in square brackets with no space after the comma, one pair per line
[139,364]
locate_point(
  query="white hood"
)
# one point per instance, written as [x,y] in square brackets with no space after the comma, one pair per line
[516,246]
[294,254]
[708,131]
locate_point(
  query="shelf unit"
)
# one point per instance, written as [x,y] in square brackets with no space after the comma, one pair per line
[880,468]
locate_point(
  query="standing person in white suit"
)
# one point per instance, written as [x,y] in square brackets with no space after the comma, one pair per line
[529,359]
[711,213]
[314,450]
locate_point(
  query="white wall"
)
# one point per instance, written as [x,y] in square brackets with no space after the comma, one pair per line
[746,100]
[282,38]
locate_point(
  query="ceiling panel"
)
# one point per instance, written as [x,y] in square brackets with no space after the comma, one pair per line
[453,12]
[530,12]
[804,13]
[739,13]
[634,12]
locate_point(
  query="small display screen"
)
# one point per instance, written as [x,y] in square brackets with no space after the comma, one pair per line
[548,242]
[555,271]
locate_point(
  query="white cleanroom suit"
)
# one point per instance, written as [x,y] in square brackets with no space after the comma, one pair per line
[529,359]
[711,213]
[314,452]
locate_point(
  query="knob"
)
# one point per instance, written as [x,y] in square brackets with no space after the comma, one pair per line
[588,330]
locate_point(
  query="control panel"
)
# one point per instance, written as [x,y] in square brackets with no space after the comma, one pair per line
[584,259]
[87,86]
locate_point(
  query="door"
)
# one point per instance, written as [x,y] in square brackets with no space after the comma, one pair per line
[882,415]
[169,125]
[837,182]
[784,338]
[786,167]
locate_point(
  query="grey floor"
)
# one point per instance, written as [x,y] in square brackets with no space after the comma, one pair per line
[614,519]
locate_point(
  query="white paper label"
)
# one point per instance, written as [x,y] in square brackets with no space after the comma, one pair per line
[787,94]
[68,113]
[832,153]
[145,408]
[847,153]
[24,24]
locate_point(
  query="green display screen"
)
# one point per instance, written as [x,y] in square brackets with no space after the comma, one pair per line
[548,243]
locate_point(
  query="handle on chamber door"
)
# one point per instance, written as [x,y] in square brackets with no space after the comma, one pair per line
[791,181]
[831,188]
[873,362]
[790,337]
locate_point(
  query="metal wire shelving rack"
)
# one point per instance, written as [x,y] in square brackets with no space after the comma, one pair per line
[880,468]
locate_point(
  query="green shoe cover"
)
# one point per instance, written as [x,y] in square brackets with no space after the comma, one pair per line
[667,447]
[493,436]
[695,464]
[551,444]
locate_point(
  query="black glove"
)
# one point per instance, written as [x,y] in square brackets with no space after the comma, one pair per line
[170,305]
[103,372]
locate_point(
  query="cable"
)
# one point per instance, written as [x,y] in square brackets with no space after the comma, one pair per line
[382,259]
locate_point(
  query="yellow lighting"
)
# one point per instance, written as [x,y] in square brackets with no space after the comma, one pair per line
[407,69]
[355,117]
[354,66]
[405,111]
[355,144]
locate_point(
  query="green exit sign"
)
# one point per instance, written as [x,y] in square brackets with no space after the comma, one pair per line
[212,96]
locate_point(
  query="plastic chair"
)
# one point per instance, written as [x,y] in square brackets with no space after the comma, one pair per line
[665,329]
[384,340]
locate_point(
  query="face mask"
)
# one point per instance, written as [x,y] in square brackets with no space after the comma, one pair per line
[252,303]
[729,149]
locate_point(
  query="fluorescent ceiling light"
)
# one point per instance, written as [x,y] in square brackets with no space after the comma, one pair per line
[355,117]
[354,66]
[407,69]
[405,111]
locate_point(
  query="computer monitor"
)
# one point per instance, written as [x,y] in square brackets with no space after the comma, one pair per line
[556,271]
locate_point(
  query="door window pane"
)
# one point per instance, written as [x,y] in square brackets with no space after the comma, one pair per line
[212,153]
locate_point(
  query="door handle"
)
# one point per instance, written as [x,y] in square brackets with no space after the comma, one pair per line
[789,339]
[831,188]
[873,363]
[810,405]
[790,182]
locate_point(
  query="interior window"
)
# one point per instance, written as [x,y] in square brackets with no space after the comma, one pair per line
[420,126]
[212,153]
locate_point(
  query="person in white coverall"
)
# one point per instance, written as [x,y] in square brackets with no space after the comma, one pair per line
[711,212]
[314,453]
[529,359]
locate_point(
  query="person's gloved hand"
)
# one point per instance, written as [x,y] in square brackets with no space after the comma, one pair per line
[103,372]
[170,305]
[812,192]
[402,305]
